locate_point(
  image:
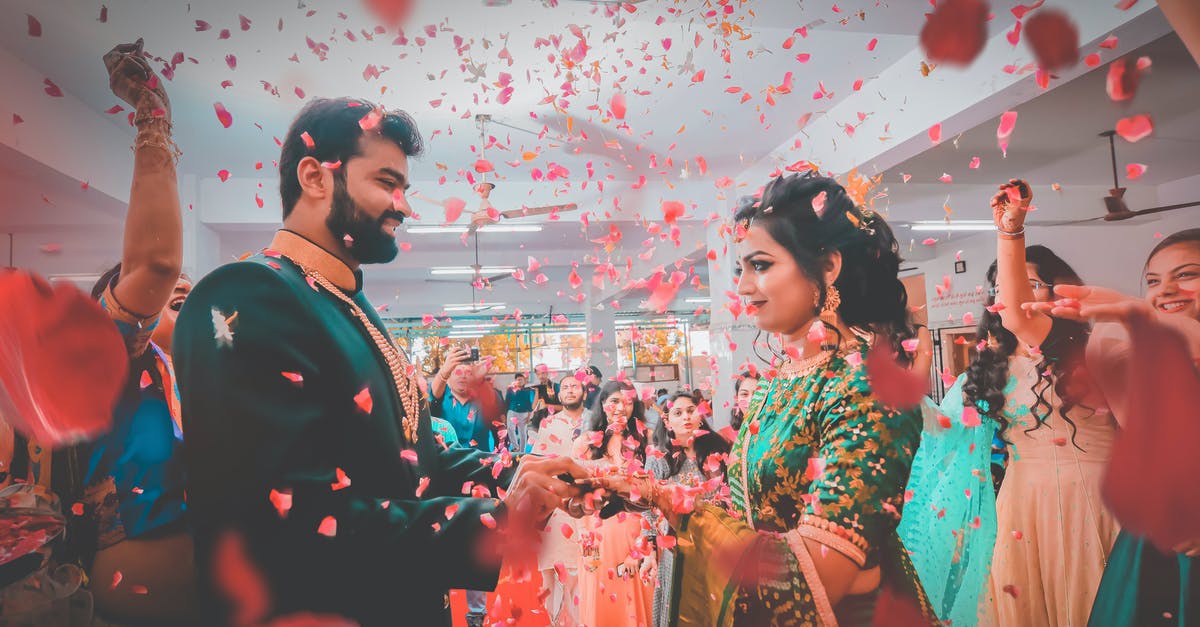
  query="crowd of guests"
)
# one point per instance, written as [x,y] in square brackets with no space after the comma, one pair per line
[324,478]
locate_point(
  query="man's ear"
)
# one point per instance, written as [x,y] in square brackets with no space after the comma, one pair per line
[315,181]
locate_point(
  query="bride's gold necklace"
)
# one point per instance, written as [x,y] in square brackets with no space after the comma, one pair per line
[807,365]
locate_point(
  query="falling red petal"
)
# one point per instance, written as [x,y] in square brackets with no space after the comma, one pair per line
[363,400]
[223,115]
[35,27]
[1135,128]
[618,105]
[52,362]
[1122,81]
[955,32]
[894,385]
[239,580]
[1054,39]
[935,133]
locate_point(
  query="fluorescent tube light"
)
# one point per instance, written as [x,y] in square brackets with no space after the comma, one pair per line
[957,225]
[475,307]
[491,228]
[698,300]
[470,270]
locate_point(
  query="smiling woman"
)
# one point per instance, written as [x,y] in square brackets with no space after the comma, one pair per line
[817,472]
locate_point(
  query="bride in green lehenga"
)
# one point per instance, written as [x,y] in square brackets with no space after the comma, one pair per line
[818,470]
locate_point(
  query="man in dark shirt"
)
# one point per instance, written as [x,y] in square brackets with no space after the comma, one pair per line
[546,394]
[310,453]
[592,389]
[519,401]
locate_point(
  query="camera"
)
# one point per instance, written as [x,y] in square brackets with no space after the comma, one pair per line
[474,354]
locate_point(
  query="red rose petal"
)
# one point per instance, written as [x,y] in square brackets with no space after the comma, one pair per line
[58,349]
[51,89]
[1054,39]
[35,27]
[223,116]
[1135,128]
[618,105]
[955,32]
[891,383]
[328,527]
[391,12]
[935,133]
[1134,171]
[1122,81]
[454,209]
[282,502]
[363,400]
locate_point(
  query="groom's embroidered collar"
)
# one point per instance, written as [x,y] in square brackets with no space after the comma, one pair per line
[310,256]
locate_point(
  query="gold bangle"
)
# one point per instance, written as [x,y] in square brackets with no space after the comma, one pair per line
[158,140]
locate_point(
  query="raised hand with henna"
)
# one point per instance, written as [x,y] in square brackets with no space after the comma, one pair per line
[131,79]
[1011,204]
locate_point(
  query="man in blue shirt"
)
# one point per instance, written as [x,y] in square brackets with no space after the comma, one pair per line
[518,399]
[462,396]
[454,396]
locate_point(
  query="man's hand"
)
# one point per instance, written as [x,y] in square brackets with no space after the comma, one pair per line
[455,359]
[132,80]
[536,490]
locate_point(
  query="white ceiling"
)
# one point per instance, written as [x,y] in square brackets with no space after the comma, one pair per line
[669,117]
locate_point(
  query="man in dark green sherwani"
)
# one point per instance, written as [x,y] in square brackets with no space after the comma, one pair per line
[306,435]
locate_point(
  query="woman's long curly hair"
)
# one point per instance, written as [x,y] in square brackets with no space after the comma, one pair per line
[987,376]
[634,427]
[873,299]
[1060,370]
[705,445]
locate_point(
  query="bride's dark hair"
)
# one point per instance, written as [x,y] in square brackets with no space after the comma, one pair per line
[873,299]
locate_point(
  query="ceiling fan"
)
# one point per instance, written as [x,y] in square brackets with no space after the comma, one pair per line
[487,214]
[1115,201]
[478,281]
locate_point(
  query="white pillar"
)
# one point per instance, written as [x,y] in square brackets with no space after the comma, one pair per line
[730,340]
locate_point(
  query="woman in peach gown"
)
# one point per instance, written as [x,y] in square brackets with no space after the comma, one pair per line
[616,571]
[1054,534]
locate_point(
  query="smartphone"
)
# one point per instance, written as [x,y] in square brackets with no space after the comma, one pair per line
[474,354]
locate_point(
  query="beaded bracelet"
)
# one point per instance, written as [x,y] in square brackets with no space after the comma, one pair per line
[1011,234]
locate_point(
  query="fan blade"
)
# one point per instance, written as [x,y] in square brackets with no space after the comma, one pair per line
[1163,208]
[493,279]
[539,211]
[1064,222]
[427,199]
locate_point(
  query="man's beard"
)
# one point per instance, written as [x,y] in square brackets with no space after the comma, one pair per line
[370,244]
[572,406]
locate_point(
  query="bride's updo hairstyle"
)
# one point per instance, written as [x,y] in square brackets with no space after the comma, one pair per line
[812,216]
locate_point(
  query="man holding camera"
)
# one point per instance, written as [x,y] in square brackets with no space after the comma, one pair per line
[461,395]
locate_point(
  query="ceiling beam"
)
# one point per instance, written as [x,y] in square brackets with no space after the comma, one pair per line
[958,99]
